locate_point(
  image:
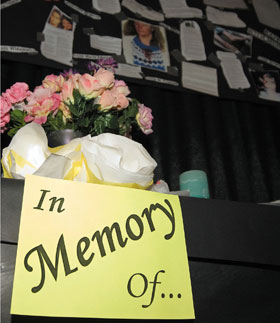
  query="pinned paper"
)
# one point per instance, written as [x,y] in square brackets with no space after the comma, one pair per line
[225,18]
[108,6]
[82,11]
[129,70]
[200,78]
[179,9]
[233,71]
[18,49]
[57,37]
[90,56]
[142,11]
[192,44]
[106,44]
[268,12]
[9,3]
[269,61]
[229,4]
[88,250]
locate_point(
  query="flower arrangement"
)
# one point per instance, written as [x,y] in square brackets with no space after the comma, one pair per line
[90,103]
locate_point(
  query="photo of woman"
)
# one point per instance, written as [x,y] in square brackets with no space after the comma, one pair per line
[145,45]
[55,18]
[66,23]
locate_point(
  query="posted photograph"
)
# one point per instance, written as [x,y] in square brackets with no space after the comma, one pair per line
[267,84]
[233,41]
[145,45]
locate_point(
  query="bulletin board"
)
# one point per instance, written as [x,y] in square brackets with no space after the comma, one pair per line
[227,49]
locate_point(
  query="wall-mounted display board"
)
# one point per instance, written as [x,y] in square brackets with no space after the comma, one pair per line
[228,49]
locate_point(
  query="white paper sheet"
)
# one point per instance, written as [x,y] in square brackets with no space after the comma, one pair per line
[58,41]
[160,80]
[224,18]
[269,61]
[229,4]
[268,12]
[233,70]
[271,35]
[9,3]
[174,30]
[192,45]
[82,11]
[179,9]
[18,49]
[200,78]
[89,56]
[108,6]
[143,11]
[264,38]
[106,44]
[129,71]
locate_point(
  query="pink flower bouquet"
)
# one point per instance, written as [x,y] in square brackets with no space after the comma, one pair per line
[92,104]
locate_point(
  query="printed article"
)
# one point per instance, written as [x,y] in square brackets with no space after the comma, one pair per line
[233,70]
[192,45]
[58,37]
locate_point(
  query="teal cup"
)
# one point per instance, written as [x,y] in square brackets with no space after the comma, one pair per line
[195,182]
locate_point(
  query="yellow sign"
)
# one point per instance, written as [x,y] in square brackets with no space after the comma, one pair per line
[89,250]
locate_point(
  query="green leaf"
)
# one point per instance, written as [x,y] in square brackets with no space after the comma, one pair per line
[91,107]
[73,109]
[83,123]
[132,110]
[12,131]
[77,97]
[107,119]
[82,108]
[114,124]
[18,115]
[99,126]
[55,122]
[121,119]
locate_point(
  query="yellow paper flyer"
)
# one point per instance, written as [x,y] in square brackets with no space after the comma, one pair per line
[89,250]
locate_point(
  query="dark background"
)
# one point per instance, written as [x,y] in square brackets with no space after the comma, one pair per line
[234,138]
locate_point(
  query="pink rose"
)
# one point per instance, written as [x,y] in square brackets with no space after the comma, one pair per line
[144,119]
[121,101]
[53,82]
[5,108]
[89,86]
[106,78]
[106,101]
[17,93]
[40,94]
[67,92]
[40,120]
[65,110]
[28,118]
[41,102]
[74,78]
[121,87]
[3,121]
